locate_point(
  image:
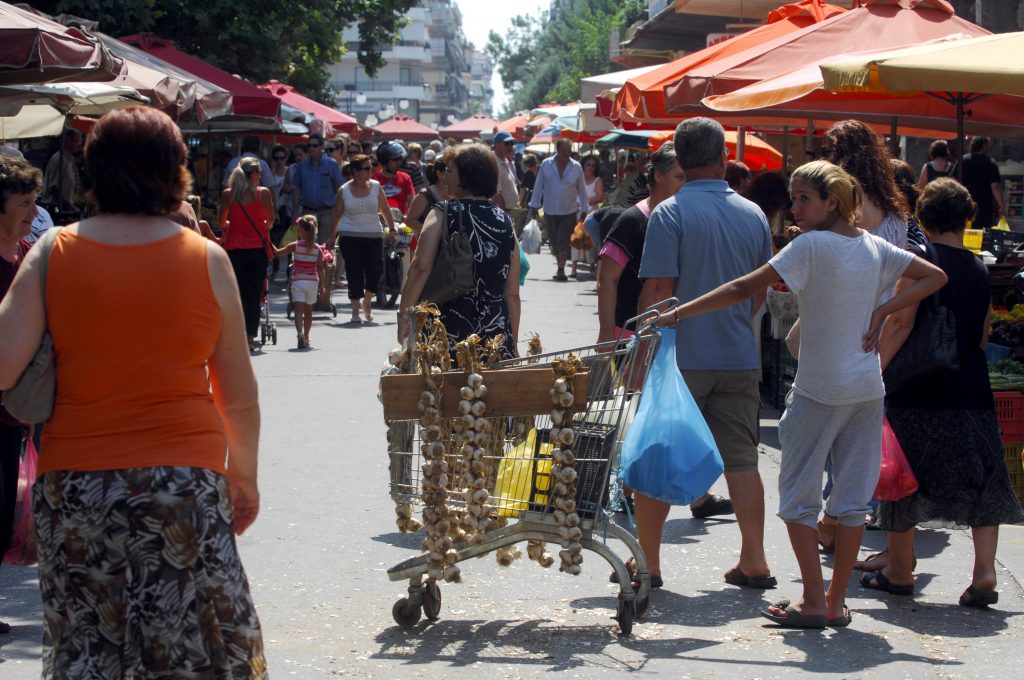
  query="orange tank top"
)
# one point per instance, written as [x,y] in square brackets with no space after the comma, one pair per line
[133,329]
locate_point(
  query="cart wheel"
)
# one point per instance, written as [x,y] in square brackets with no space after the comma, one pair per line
[432,600]
[624,615]
[405,614]
[273,333]
[640,607]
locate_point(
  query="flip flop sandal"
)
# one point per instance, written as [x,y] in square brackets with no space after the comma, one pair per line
[977,598]
[876,580]
[736,577]
[5,627]
[841,621]
[716,505]
[877,556]
[656,581]
[793,617]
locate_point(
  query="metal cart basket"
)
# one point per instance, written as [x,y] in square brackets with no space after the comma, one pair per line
[522,492]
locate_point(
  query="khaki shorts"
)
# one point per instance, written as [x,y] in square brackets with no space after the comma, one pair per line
[730,402]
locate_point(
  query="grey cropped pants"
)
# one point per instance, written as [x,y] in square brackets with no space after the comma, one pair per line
[808,431]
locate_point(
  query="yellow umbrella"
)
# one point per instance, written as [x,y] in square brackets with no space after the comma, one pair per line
[988,64]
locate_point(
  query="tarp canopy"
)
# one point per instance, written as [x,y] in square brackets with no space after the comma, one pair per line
[877,24]
[515,126]
[642,98]
[405,128]
[40,110]
[34,49]
[247,99]
[182,94]
[474,126]
[332,119]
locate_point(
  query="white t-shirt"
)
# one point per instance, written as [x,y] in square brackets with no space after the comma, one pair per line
[838,282]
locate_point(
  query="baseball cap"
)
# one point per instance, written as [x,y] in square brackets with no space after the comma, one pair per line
[503,137]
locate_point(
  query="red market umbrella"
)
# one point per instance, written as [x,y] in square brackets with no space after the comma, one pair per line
[247,99]
[515,126]
[876,24]
[757,153]
[331,118]
[474,126]
[405,128]
[36,50]
[642,99]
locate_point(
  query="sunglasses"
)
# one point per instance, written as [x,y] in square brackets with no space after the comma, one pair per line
[315,146]
[361,168]
[280,158]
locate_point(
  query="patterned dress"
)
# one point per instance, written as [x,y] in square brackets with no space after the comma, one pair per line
[484,312]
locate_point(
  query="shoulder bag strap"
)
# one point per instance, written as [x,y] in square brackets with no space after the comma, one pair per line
[45,244]
[255,228]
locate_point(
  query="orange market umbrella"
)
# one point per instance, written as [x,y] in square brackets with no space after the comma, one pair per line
[757,153]
[515,126]
[876,24]
[642,99]
[804,91]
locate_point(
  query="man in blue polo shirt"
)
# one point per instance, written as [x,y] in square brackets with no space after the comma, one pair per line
[315,183]
[702,237]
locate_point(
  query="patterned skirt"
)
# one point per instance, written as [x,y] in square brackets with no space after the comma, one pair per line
[957,458]
[140,577]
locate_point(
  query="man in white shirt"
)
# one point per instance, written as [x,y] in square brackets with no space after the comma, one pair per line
[508,192]
[562,191]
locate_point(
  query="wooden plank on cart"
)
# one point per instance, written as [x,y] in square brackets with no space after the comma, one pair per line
[510,392]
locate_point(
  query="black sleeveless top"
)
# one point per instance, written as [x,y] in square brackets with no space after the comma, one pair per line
[934,174]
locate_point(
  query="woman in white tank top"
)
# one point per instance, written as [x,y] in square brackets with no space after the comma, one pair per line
[358,207]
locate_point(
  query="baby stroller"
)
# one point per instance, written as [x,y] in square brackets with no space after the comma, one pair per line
[268,329]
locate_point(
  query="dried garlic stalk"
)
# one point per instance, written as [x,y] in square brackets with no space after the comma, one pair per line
[563,469]
[432,360]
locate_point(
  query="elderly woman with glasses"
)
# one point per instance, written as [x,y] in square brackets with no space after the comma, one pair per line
[358,207]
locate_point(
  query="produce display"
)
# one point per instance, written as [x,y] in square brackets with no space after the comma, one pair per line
[1008,327]
[1006,375]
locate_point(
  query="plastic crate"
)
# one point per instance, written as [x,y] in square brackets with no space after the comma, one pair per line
[973,239]
[1013,453]
[1010,412]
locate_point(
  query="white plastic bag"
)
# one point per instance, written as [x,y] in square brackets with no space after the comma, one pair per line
[531,238]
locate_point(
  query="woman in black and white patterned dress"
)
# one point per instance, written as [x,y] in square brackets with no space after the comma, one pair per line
[493,309]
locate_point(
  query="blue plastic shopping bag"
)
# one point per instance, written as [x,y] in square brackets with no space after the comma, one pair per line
[669,453]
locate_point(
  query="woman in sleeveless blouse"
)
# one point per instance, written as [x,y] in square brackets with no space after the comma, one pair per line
[493,308]
[358,207]
[136,504]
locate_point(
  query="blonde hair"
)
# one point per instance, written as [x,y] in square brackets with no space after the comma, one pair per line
[830,180]
[310,224]
[239,180]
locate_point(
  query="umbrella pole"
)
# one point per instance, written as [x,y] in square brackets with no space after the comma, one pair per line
[785,150]
[809,142]
[209,161]
[741,143]
[960,135]
[894,144]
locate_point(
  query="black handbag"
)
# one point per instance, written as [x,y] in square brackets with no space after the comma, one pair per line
[454,272]
[932,344]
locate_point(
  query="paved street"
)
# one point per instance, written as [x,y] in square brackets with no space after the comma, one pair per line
[318,554]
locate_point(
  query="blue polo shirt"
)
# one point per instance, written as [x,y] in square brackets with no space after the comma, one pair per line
[318,183]
[702,237]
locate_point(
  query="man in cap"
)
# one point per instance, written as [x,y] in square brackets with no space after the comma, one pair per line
[508,191]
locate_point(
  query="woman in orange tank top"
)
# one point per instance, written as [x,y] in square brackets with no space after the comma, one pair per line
[149,458]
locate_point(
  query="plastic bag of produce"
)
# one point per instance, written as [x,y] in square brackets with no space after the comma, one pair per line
[531,237]
[896,479]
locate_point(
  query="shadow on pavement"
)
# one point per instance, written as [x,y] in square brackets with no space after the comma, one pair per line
[539,644]
[400,540]
[19,604]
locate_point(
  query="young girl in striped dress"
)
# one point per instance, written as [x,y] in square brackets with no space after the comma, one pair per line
[307,275]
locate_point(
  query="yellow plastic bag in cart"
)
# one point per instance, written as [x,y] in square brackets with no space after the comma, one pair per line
[516,474]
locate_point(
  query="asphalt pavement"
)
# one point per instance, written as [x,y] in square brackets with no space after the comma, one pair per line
[318,554]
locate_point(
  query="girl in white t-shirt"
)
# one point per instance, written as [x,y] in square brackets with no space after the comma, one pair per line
[838,273]
[307,280]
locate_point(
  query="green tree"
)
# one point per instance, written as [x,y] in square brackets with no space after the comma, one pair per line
[542,59]
[291,41]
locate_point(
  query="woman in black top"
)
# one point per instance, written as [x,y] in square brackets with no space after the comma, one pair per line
[946,421]
[938,164]
[493,308]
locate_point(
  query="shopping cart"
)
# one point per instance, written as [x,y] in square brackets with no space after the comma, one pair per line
[522,491]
